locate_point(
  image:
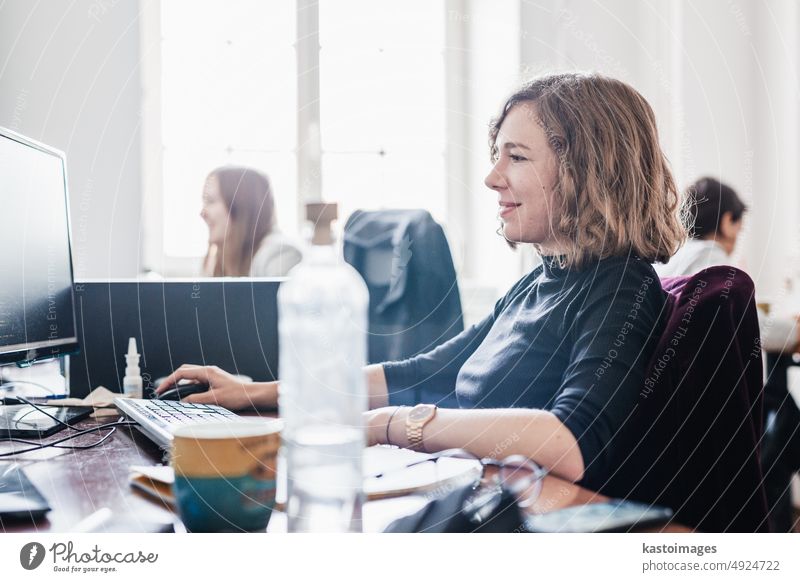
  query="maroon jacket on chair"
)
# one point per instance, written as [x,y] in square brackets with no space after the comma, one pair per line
[693,441]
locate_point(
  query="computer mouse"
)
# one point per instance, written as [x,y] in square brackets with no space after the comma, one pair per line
[183,390]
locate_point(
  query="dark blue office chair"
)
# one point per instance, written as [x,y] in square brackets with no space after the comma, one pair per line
[414,302]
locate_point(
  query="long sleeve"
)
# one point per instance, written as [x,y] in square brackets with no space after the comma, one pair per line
[612,335]
[431,377]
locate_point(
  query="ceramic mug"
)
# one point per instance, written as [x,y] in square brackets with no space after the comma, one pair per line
[225,474]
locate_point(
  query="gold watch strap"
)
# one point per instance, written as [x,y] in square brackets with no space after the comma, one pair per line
[415,426]
[414,435]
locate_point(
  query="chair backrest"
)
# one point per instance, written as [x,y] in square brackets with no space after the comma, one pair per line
[404,257]
[693,441]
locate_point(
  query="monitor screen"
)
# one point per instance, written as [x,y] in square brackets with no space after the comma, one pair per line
[37,312]
[230,323]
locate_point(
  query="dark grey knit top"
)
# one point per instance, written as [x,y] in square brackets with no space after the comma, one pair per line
[575,343]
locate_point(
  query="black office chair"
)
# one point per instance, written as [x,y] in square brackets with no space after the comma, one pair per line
[414,302]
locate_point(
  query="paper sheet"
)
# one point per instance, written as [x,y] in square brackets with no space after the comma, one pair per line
[101,398]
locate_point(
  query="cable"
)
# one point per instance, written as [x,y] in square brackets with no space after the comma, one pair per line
[40,409]
[55,444]
[112,425]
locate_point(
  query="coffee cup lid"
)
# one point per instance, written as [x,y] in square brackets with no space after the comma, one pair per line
[229,429]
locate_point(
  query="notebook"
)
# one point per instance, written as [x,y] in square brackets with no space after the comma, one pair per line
[399,479]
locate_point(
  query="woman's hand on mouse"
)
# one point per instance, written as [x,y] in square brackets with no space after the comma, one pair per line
[224,389]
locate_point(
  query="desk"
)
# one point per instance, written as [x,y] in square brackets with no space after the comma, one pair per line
[78,483]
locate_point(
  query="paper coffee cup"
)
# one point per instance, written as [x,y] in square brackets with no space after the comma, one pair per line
[225,474]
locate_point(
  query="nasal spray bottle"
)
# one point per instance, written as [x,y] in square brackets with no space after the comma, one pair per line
[132,382]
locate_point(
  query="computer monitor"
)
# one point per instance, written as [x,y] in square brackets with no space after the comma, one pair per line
[230,323]
[37,307]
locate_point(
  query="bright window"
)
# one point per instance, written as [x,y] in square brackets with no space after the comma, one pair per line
[228,97]
[228,86]
[382,104]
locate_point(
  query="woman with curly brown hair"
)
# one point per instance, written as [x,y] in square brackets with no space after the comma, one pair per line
[578,173]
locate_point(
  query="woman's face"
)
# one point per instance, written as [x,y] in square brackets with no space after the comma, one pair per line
[215,211]
[524,176]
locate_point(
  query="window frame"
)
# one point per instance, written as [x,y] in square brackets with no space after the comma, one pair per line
[309,147]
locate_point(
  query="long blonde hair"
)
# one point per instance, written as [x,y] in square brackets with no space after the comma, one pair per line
[251,217]
[615,193]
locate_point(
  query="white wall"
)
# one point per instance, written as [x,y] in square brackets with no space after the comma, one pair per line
[483,62]
[720,122]
[69,77]
[493,72]
[722,78]
[773,175]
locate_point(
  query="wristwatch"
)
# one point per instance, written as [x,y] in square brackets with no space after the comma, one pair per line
[416,420]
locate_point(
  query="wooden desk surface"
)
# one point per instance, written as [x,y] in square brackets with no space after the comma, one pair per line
[79,483]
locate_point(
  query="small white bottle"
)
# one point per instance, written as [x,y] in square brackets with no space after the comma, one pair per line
[132,382]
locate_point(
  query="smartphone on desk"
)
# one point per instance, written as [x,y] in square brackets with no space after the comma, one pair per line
[20,500]
[616,515]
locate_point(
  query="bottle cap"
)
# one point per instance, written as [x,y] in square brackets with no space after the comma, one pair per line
[132,359]
[322,214]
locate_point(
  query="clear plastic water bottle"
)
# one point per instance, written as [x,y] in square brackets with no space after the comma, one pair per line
[322,331]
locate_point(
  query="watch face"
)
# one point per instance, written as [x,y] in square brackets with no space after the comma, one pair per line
[421,413]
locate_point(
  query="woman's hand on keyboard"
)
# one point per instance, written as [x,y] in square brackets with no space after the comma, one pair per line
[224,389]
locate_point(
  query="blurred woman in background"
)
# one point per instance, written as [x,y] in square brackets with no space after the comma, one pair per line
[243,239]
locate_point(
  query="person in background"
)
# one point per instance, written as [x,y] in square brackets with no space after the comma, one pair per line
[243,239]
[716,213]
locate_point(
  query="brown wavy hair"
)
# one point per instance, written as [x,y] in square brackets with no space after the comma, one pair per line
[251,217]
[615,193]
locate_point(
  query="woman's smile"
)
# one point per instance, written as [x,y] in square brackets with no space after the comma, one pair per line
[507,208]
[523,178]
